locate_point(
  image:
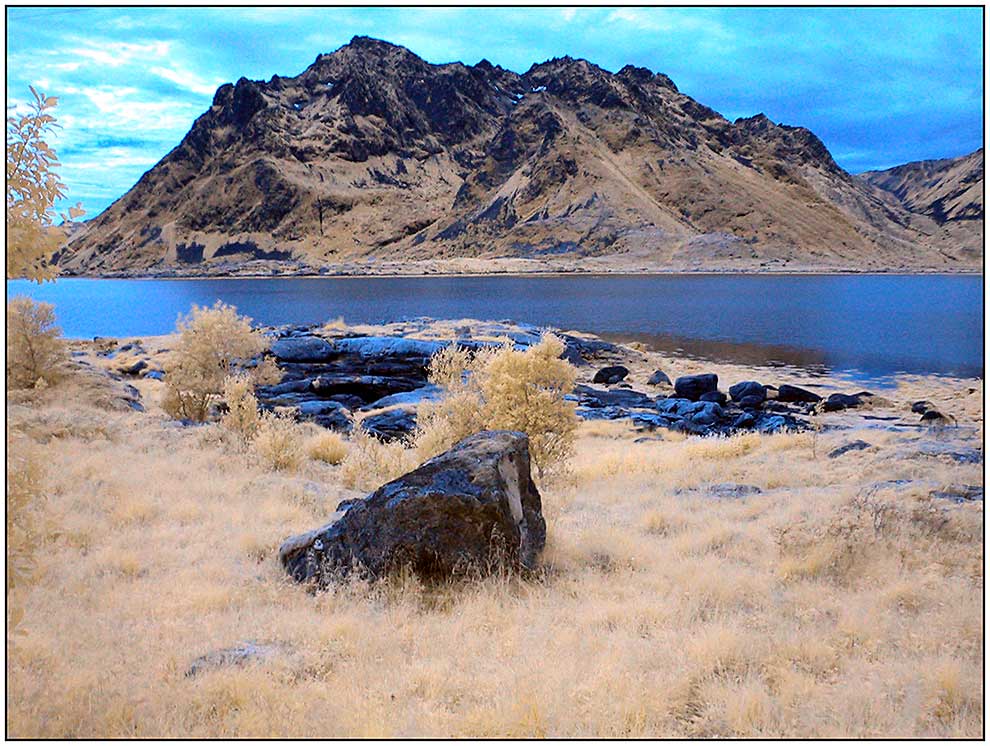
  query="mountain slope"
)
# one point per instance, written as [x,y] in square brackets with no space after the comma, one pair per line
[372,154]
[949,190]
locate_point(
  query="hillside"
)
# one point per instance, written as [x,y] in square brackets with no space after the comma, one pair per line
[373,158]
[949,190]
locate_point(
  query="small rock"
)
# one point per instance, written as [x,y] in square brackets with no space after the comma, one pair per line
[745,420]
[920,407]
[795,394]
[392,424]
[837,402]
[692,387]
[751,402]
[156,375]
[856,445]
[659,378]
[733,490]
[745,389]
[234,656]
[960,493]
[714,396]
[611,374]
[134,368]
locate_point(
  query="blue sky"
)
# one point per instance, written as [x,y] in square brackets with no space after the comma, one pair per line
[880,86]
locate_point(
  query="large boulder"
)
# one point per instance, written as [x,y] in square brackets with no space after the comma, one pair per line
[692,387]
[472,508]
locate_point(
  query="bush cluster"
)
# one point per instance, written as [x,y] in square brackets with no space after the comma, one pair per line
[36,352]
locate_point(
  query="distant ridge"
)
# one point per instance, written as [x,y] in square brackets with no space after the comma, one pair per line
[373,154]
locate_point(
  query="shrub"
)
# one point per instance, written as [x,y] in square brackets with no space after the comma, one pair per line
[35,349]
[214,343]
[503,389]
[242,416]
[370,462]
[327,446]
[278,441]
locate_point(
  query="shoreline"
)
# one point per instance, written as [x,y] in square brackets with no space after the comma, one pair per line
[537,273]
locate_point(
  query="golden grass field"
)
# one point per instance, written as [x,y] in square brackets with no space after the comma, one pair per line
[823,606]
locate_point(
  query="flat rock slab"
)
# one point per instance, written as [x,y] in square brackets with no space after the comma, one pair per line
[238,655]
[960,493]
[856,445]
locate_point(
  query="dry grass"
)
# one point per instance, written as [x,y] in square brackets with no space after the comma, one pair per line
[817,607]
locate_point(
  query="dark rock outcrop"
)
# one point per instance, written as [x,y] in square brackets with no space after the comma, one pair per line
[788,393]
[692,387]
[470,509]
[745,389]
[856,445]
[611,374]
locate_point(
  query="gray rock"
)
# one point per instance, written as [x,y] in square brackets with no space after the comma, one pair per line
[410,398]
[303,349]
[733,490]
[611,374]
[745,389]
[960,493]
[837,402]
[472,508]
[920,407]
[659,378]
[715,396]
[238,655]
[156,375]
[392,424]
[752,402]
[592,397]
[692,387]
[788,393]
[134,368]
[856,445]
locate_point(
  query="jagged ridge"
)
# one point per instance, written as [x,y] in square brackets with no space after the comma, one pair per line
[372,152]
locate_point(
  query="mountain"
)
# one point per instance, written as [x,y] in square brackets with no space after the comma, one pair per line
[372,158]
[950,191]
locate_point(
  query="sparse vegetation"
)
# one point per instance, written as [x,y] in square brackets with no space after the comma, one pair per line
[278,441]
[213,344]
[327,446]
[834,602]
[36,352]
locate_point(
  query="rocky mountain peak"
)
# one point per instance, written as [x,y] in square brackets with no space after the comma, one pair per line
[371,151]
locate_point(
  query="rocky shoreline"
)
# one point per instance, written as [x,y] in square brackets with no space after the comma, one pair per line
[341,379]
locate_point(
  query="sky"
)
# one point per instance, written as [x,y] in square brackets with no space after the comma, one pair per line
[880,86]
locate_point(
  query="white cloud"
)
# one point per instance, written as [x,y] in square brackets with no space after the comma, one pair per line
[568,14]
[187,80]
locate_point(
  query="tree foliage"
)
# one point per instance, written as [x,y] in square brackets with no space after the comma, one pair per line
[33,187]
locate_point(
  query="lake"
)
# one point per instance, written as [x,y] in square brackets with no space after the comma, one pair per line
[867,326]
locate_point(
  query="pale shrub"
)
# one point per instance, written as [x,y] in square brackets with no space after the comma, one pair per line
[502,388]
[213,344]
[278,441]
[525,391]
[242,406]
[327,446]
[370,462]
[36,353]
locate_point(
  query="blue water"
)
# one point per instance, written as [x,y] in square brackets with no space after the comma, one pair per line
[870,326]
